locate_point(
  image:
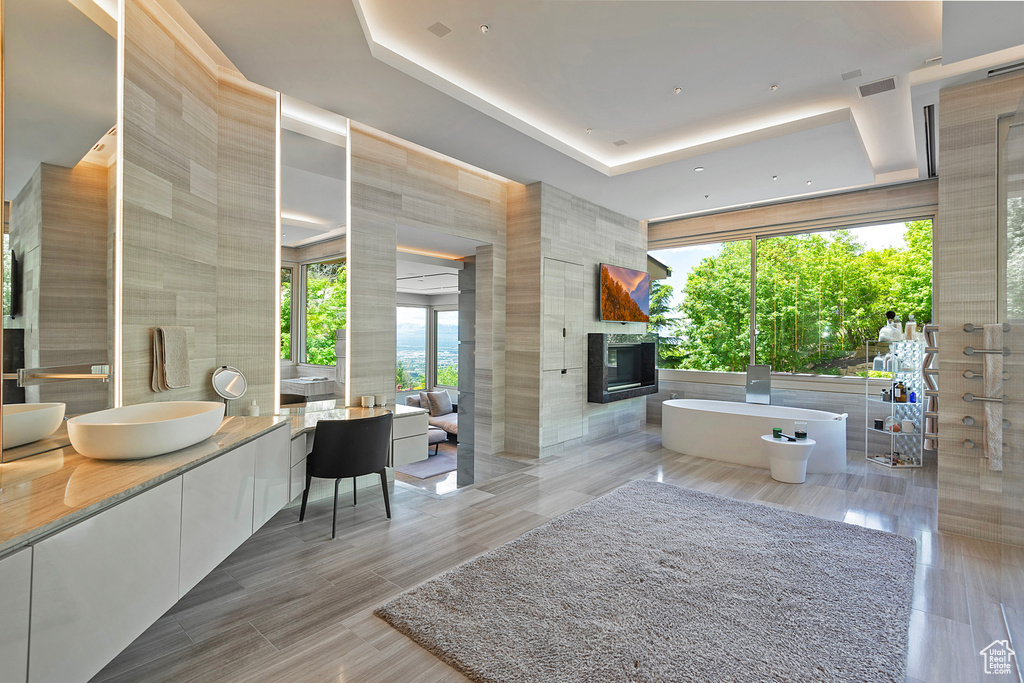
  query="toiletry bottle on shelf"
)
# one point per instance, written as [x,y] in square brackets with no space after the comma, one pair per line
[897,392]
[913,397]
[253,410]
[911,331]
[898,324]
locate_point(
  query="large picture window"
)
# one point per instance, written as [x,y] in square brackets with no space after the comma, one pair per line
[702,312]
[819,297]
[446,348]
[286,314]
[411,364]
[325,310]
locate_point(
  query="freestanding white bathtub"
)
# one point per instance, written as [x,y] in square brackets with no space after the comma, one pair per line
[724,430]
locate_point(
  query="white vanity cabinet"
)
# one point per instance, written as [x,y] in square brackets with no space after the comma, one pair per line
[410,439]
[216,511]
[100,583]
[273,474]
[300,448]
[15,588]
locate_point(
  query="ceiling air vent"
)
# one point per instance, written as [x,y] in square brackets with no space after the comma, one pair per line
[439,30]
[884,85]
[620,143]
[1005,69]
[851,75]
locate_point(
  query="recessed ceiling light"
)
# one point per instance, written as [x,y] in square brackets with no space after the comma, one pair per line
[707,196]
[775,177]
[808,182]
[590,130]
[484,28]
[774,87]
[698,169]
[679,90]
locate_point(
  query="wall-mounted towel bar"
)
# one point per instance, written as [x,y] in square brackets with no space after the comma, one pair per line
[971,422]
[971,374]
[969,397]
[970,351]
[967,443]
[968,327]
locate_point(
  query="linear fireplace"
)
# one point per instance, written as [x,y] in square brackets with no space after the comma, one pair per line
[621,366]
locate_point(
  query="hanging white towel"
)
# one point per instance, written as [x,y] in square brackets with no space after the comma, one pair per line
[171,368]
[994,389]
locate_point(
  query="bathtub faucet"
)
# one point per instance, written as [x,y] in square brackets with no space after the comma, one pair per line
[759,384]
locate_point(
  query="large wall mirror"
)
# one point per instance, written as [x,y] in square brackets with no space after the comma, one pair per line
[60,111]
[313,251]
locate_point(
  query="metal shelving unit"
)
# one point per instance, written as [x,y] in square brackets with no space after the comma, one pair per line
[903,362]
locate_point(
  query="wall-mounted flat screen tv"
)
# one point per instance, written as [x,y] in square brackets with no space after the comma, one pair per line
[625,295]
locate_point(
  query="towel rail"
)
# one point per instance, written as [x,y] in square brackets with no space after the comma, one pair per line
[969,397]
[971,374]
[970,351]
[27,377]
[968,327]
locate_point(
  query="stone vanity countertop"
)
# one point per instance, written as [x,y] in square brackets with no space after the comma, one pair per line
[303,419]
[43,493]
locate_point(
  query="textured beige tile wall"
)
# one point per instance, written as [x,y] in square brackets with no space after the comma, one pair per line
[395,183]
[971,496]
[169,222]
[549,226]
[523,318]
[246,207]
[59,232]
[578,231]
[176,167]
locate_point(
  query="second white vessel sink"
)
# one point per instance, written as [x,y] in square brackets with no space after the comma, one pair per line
[145,430]
[27,422]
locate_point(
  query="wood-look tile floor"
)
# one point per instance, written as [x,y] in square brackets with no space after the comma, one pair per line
[293,605]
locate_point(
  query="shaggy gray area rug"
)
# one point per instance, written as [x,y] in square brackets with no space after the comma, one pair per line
[653,582]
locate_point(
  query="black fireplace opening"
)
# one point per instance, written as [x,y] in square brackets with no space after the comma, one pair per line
[621,366]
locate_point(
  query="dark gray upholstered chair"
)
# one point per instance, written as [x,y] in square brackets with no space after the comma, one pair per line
[349,448]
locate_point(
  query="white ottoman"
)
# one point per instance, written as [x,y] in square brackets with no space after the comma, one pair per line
[788,459]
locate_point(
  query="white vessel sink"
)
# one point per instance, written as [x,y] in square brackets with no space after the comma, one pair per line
[27,422]
[145,430]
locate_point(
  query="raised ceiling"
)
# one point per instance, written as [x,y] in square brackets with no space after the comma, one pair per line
[517,100]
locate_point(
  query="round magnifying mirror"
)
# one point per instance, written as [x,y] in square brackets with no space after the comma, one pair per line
[228,382]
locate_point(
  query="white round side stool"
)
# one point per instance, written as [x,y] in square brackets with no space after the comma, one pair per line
[788,459]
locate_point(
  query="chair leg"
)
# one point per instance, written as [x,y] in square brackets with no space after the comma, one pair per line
[334,517]
[384,488]
[353,491]
[436,446]
[305,497]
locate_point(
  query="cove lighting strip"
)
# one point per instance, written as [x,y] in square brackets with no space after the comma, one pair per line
[277,258]
[118,369]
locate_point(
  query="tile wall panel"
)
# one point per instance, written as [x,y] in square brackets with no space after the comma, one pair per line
[395,183]
[199,211]
[973,499]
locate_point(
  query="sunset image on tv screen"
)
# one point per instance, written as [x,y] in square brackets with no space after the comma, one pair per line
[625,294]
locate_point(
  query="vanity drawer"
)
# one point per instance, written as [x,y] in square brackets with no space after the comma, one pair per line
[411,425]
